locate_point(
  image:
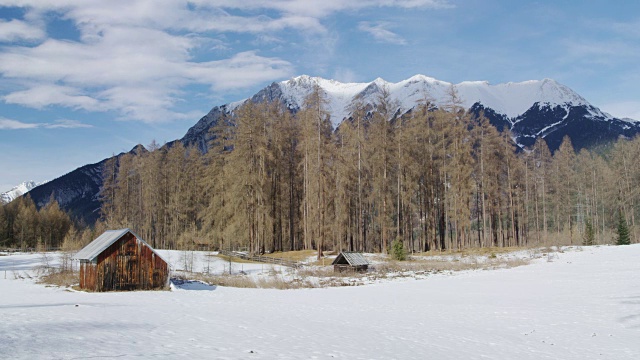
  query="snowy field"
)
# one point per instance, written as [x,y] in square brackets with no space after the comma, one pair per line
[578,304]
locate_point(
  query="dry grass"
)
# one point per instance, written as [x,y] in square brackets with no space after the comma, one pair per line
[243,281]
[59,278]
[472,251]
[440,265]
[418,267]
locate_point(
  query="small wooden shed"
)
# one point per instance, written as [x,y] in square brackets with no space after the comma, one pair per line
[350,261]
[121,260]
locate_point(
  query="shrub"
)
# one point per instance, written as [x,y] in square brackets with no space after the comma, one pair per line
[397,250]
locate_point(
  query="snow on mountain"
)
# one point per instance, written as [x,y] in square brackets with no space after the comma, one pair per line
[529,109]
[340,95]
[510,99]
[17,191]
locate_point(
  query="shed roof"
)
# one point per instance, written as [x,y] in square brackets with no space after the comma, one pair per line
[352,258]
[102,242]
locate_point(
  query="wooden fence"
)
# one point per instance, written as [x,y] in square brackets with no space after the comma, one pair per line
[262,259]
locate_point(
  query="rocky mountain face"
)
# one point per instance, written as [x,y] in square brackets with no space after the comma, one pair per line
[530,109]
[77,192]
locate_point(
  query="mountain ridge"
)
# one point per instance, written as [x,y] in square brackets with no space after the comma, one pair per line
[529,109]
[521,107]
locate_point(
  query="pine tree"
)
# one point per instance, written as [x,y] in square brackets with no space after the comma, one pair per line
[589,234]
[107,192]
[623,230]
[563,179]
[397,250]
[4,224]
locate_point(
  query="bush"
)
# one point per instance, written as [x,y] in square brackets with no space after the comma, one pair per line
[397,250]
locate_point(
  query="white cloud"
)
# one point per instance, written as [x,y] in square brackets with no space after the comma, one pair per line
[41,96]
[242,70]
[137,57]
[8,124]
[16,30]
[137,72]
[319,9]
[380,32]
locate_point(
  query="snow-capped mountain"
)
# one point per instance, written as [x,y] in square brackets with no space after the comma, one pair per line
[510,99]
[17,191]
[529,109]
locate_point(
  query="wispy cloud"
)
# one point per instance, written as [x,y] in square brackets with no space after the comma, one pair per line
[319,9]
[16,30]
[380,32]
[627,29]
[66,124]
[9,124]
[345,75]
[600,52]
[40,96]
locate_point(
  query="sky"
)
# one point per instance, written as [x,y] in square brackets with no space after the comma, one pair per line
[81,80]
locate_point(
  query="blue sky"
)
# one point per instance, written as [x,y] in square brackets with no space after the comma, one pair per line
[81,80]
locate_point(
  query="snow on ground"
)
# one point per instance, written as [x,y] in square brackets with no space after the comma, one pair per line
[574,305]
[206,262]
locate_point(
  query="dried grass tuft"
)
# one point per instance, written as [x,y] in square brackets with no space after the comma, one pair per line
[64,279]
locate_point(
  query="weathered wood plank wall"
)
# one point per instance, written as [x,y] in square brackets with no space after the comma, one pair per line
[128,264]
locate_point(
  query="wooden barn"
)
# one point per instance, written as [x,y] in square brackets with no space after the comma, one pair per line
[350,261]
[121,260]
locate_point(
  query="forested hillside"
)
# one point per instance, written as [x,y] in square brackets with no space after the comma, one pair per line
[25,227]
[433,179]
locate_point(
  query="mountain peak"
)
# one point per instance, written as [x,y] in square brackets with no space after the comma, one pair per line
[17,191]
[421,78]
[510,99]
[380,81]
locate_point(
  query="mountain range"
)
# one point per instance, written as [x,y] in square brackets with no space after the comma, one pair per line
[530,109]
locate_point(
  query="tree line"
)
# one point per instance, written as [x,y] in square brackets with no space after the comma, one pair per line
[23,226]
[432,179]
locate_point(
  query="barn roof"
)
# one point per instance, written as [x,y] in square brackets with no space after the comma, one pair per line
[102,242]
[352,258]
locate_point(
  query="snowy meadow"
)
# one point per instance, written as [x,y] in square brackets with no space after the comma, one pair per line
[579,303]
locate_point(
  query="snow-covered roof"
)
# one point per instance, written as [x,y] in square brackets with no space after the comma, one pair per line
[352,258]
[102,242]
